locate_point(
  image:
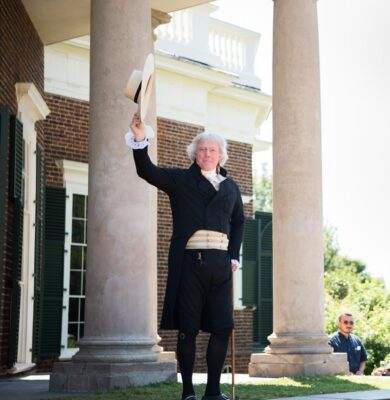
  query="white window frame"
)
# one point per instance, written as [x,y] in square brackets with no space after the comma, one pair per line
[237,276]
[31,108]
[237,285]
[75,182]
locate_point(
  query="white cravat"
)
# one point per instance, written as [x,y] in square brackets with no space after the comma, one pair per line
[214,178]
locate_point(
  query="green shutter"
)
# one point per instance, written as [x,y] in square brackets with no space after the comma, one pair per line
[263,313]
[250,261]
[257,275]
[4,143]
[38,262]
[53,272]
[17,159]
[17,150]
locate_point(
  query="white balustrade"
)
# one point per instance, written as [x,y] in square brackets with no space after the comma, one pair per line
[193,34]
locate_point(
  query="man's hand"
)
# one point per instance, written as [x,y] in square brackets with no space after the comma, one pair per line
[138,127]
[235,264]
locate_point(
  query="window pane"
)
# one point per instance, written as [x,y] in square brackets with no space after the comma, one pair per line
[81,330]
[78,265]
[78,206]
[75,283]
[83,292]
[77,231]
[72,335]
[75,257]
[85,257]
[73,309]
[82,307]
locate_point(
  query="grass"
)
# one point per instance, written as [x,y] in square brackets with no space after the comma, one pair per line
[266,389]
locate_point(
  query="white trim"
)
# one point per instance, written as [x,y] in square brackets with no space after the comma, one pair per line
[246,199]
[76,182]
[211,89]
[67,354]
[193,69]
[26,282]
[245,95]
[20,367]
[75,173]
[31,108]
[29,98]
[237,283]
[237,276]
[67,70]
[83,41]
[260,145]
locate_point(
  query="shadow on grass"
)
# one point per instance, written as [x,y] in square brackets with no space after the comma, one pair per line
[264,389]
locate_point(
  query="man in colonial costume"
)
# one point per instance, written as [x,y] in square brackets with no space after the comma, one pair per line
[208,222]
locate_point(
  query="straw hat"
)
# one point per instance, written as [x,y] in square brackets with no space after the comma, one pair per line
[140,84]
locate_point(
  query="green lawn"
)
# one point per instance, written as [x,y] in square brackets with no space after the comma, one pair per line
[266,389]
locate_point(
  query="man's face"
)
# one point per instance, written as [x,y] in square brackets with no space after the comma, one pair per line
[346,323]
[207,155]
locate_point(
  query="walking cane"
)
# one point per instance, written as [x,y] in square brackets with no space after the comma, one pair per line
[232,349]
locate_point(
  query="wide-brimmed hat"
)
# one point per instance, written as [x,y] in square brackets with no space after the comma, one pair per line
[140,84]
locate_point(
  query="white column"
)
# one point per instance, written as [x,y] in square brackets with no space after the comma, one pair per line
[298,344]
[119,348]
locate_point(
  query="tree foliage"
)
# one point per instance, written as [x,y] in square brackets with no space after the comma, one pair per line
[350,288]
[262,188]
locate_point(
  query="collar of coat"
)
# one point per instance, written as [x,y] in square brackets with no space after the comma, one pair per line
[205,186]
[195,169]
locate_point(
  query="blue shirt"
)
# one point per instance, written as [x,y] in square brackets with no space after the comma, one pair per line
[351,345]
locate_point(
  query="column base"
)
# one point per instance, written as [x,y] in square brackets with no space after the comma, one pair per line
[87,376]
[298,343]
[279,365]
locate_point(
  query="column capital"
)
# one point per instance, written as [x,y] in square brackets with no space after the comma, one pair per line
[159,18]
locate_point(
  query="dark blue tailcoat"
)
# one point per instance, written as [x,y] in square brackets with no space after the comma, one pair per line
[195,205]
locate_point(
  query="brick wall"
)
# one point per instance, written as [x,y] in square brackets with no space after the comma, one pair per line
[21,60]
[66,134]
[173,137]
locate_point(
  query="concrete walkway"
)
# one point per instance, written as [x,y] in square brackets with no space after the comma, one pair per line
[366,395]
[36,387]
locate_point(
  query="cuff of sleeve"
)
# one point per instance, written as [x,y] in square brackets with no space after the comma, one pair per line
[133,144]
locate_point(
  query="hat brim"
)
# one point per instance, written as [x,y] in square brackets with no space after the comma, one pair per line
[146,86]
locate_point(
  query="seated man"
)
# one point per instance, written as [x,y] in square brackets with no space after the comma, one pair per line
[344,341]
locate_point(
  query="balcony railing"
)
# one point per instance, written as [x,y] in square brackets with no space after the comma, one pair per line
[193,34]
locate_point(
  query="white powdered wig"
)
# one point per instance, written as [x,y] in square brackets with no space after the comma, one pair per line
[211,137]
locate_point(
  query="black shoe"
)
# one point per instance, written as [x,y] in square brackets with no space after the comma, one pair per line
[216,397]
[190,397]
